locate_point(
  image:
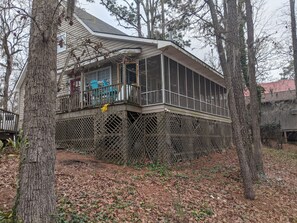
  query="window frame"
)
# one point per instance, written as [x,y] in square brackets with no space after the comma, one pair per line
[64,48]
[97,73]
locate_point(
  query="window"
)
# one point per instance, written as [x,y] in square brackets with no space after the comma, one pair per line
[131,71]
[61,42]
[99,75]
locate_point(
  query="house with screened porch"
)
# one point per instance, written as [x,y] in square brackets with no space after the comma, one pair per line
[144,100]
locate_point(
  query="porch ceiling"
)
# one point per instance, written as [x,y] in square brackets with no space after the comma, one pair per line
[114,56]
[194,64]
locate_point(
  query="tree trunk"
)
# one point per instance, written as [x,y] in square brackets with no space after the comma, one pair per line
[148,19]
[254,109]
[8,72]
[294,39]
[138,19]
[231,70]
[36,201]
[163,19]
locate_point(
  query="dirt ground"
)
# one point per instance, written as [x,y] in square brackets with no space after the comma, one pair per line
[206,190]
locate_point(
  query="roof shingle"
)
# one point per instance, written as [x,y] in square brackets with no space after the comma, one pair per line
[95,24]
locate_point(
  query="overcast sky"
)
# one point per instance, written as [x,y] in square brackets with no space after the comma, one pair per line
[271,13]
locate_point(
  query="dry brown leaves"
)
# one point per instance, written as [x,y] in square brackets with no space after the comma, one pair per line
[207,190]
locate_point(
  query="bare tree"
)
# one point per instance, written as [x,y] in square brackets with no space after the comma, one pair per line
[254,101]
[294,39]
[13,43]
[229,57]
[35,200]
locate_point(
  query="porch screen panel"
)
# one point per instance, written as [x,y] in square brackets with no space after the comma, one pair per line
[190,89]
[167,80]
[225,102]
[154,80]
[197,89]
[142,80]
[213,96]
[182,86]
[208,95]
[173,82]
[218,99]
[202,94]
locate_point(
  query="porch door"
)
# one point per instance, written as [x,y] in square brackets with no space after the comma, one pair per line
[131,73]
[75,89]
[75,85]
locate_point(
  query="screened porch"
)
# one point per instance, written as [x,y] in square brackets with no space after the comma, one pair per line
[165,81]
[145,82]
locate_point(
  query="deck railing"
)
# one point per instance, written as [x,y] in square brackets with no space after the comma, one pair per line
[116,93]
[8,121]
[191,103]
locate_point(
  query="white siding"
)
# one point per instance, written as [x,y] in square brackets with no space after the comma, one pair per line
[77,33]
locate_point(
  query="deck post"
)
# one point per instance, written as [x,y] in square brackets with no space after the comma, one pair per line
[82,90]
[125,81]
[163,78]
[125,135]
[285,137]
[163,138]
[189,140]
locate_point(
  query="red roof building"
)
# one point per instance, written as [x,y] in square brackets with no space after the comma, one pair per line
[281,90]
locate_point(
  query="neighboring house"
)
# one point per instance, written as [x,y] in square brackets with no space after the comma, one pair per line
[164,104]
[278,106]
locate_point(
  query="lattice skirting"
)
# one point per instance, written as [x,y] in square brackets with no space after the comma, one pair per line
[129,137]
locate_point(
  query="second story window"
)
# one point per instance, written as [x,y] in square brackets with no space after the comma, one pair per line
[61,42]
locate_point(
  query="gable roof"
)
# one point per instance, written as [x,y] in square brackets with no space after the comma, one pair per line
[97,27]
[95,24]
[160,44]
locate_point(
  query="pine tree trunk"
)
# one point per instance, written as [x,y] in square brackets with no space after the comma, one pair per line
[36,199]
[254,102]
[294,39]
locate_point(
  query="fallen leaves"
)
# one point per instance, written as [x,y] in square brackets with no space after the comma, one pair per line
[206,190]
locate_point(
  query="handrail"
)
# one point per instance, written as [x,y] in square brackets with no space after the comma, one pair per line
[1,109]
[97,97]
[8,121]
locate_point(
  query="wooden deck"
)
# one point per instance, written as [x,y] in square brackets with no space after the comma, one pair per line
[8,124]
[112,94]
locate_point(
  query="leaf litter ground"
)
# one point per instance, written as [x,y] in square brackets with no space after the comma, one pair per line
[208,189]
